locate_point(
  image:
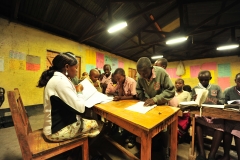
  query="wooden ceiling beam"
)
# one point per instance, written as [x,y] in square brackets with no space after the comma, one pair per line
[229,25]
[145,17]
[133,55]
[75,4]
[181,16]
[93,24]
[48,24]
[192,47]
[157,32]
[172,7]
[198,1]
[127,18]
[102,46]
[145,44]
[144,10]
[15,8]
[214,16]
[219,17]
[139,1]
[50,3]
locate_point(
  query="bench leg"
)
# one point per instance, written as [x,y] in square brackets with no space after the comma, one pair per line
[85,153]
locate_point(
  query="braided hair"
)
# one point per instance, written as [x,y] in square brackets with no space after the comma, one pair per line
[58,64]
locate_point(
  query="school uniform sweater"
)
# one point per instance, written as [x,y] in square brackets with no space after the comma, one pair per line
[215,95]
[61,104]
[159,88]
[232,127]
[231,93]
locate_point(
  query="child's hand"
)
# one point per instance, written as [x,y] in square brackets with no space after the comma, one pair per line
[117,98]
[79,88]
[149,102]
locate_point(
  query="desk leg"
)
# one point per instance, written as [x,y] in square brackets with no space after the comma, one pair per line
[146,144]
[173,151]
[192,153]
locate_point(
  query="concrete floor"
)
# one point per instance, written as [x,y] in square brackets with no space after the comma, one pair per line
[10,149]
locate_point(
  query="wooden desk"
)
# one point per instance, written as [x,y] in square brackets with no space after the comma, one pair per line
[145,126]
[210,112]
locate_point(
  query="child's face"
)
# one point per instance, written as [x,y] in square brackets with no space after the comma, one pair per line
[237,80]
[119,78]
[204,79]
[145,72]
[94,77]
[107,70]
[114,79]
[178,84]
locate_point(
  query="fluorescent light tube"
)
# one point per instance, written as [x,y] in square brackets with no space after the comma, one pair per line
[117,27]
[156,57]
[226,47]
[177,40]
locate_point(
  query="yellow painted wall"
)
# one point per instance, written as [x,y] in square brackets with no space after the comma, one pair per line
[34,42]
[233,60]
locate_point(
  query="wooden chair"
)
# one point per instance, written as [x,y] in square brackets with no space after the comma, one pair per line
[32,143]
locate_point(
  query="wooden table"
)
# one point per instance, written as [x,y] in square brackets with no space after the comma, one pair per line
[145,126]
[210,112]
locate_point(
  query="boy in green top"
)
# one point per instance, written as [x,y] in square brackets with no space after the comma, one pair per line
[154,87]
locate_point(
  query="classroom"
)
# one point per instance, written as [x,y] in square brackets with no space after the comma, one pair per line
[33,34]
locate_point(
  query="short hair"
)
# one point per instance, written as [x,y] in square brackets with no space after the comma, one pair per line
[84,73]
[107,65]
[163,60]
[180,79]
[98,70]
[94,71]
[143,62]
[238,74]
[119,71]
[187,88]
[204,72]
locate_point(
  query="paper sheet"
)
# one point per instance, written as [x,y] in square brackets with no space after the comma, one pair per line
[108,99]
[138,107]
[213,105]
[189,103]
[91,95]
[234,102]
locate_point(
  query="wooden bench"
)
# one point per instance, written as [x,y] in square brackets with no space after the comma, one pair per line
[209,112]
[32,143]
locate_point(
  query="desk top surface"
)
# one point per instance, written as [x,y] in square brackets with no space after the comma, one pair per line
[147,120]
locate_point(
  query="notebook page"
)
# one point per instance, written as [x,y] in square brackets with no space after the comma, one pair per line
[138,107]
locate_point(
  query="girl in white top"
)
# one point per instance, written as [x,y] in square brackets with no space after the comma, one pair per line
[63,102]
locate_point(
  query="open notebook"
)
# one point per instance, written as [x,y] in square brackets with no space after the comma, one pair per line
[201,97]
[91,95]
[233,105]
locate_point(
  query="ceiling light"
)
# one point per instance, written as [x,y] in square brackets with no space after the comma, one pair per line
[156,57]
[177,40]
[117,27]
[226,47]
